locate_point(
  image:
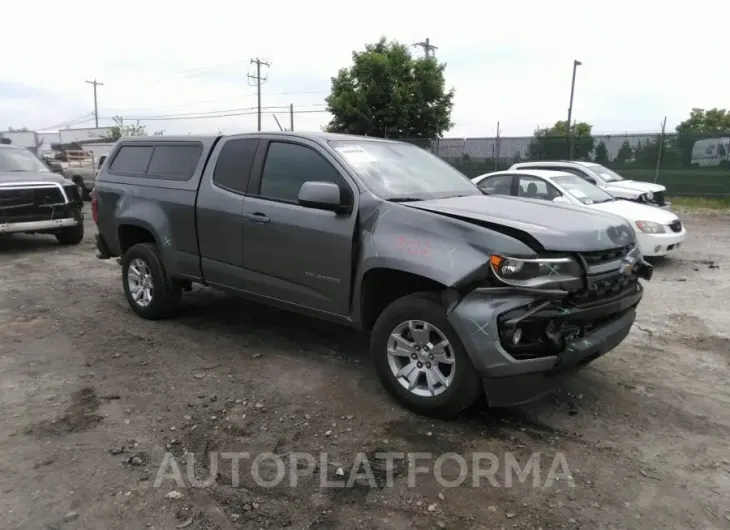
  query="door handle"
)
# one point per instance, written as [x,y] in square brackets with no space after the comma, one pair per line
[256,217]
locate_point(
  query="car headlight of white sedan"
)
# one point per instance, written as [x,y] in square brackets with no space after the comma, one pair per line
[650,227]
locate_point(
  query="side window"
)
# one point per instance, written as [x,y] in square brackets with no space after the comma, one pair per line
[176,162]
[132,159]
[578,173]
[536,188]
[288,166]
[497,185]
[233,167]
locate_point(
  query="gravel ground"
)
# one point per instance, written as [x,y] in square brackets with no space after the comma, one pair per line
[93,398]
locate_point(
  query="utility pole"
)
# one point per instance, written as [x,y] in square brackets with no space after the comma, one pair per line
[428,48]
[256,80]
[291,116]
[659,151]
[96,106]
[569,128]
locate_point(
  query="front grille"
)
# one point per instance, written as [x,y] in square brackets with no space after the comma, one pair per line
[676,226]
[604,256]
[659,198]
[603,289]
[31,204]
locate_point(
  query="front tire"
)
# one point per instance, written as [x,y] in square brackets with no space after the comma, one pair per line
[149,291]
[71,235]
[81,188]
[421,360]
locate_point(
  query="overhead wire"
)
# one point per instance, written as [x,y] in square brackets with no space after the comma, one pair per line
[225,115]
[190,104]
[76,121]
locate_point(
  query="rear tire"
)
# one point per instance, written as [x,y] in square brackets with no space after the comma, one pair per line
[71,235]
[436,399]
[151,293]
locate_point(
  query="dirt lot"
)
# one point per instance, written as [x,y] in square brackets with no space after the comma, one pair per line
[93,397]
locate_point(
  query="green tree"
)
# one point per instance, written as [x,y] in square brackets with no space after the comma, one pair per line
[134,129]
[552,143]
[702,121]
[646,153]
[601,153]
[19,129]
[625,153]
[388,93]
[700,124]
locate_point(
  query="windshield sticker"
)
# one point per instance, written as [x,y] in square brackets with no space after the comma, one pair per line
[577,193]
[356,155]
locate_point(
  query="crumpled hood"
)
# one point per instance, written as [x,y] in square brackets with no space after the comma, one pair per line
[13,177]
[557,227]
[635,185]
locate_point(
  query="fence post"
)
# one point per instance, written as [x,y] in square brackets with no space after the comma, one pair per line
[659,151]
[495,151]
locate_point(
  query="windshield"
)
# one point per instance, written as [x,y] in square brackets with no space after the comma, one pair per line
[15,159]
[582,190]
[605,173]
[396,171]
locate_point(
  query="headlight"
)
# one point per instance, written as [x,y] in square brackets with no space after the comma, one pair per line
[649,227]
[537,272]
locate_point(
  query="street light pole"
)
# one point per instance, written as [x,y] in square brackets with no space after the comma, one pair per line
[569,127]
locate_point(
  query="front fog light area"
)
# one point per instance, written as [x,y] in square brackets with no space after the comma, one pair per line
[530,339]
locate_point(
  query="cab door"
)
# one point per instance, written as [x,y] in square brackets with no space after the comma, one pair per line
[294,253]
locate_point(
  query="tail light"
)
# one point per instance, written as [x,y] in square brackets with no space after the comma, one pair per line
[94,207]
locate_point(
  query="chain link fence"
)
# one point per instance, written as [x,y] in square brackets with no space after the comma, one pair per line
[687,164]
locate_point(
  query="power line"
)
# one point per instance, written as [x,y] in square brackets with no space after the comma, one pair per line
[76,121]
[196,71]
[211,116]
[257,79]
[96,106]
[212,112]
[192,103]
[202,112]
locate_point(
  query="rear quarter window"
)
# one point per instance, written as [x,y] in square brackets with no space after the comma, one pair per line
[132,160]
[174,161]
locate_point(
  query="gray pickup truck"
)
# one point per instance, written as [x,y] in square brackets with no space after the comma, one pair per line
[465,295]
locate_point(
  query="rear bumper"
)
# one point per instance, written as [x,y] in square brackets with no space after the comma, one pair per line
[478,319]
[37,226]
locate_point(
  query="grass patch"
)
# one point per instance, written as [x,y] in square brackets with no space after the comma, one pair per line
[705,203]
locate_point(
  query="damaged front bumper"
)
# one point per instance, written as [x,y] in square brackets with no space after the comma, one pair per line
[521,340]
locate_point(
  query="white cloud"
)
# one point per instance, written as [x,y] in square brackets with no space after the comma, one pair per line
[509,62]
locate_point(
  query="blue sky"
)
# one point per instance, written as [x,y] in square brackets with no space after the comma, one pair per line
[509,62]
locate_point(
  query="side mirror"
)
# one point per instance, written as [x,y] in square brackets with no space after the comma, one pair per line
[322,196]
[561,200]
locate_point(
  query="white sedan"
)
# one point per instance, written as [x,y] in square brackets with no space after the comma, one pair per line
[658,231]
[606,179]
